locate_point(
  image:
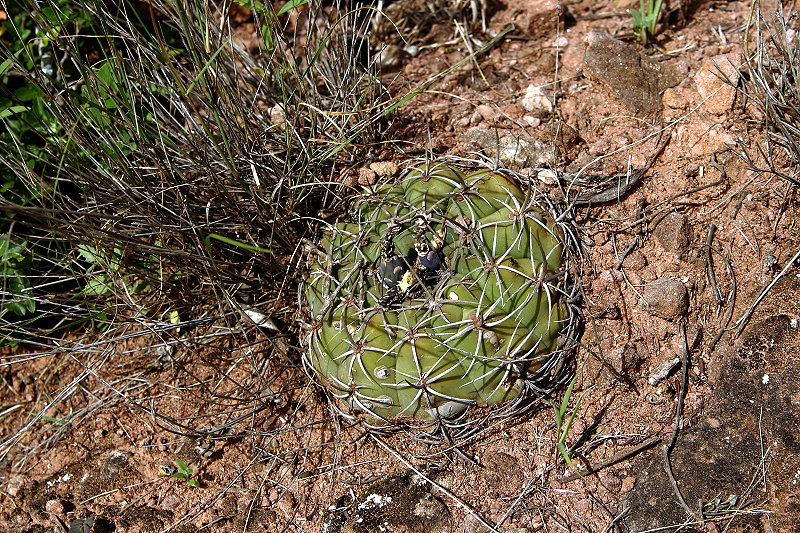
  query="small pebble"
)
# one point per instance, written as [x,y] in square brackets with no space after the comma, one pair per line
[531,121]
[55,507]
[277,115]
[536,101]
[384,169]
[674,233]
[367,177]
[486,112]
[663,370]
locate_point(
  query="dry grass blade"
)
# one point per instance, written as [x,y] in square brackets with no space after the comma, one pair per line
[175,171]
[773,85]
[177,157]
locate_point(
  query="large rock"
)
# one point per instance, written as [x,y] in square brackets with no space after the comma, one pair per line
[636,80]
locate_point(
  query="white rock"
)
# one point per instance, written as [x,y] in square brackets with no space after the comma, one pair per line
[531,121]
[561,42]
[260,319]
[536,101]
[277,115]
[547,176]
[524,151]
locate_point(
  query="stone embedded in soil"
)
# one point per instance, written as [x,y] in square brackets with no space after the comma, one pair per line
[674,233]
[635,261]
[487,112]
[542,18]
[171,501]
[525,151]
[144,518]
[704,135]
[636,80]
[663,370]
[568,142]
[665,298]
[718,94]
[115,461]
[514,150]
[531,121]
[483,138]
[503,474]
[677,97]
[628,359]
[402,503]
[384,169]
[58,507]
[536,101]
[747,435]
[91,525]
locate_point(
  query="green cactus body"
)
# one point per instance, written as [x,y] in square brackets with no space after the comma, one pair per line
[444,292]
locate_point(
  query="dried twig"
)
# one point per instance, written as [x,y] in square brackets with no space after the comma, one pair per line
[746,316]
[625,454]
[667,448]
[712,279]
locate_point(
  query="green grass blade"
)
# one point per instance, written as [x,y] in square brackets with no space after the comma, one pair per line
[288,6]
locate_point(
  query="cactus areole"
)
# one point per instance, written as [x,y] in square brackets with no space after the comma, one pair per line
[443,291]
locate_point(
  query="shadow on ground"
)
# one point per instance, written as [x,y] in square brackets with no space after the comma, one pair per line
[743,456]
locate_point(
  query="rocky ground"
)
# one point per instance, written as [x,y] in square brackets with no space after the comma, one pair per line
[689,402]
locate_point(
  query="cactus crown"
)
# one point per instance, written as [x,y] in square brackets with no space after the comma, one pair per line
[444,291]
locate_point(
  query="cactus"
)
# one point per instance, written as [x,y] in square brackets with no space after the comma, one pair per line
[444,291]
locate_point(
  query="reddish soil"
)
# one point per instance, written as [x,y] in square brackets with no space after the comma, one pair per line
[286,459]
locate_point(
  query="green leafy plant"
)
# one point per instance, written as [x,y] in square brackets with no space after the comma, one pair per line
[184,471]
[14,284]
[29,130]
[645,19]
[444,291]
[105,271]
[24,121]
[102,267]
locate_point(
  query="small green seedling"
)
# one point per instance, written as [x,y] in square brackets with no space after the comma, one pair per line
[645,19]
[54,421]
[563,425]
[184,471]
[105,271]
